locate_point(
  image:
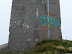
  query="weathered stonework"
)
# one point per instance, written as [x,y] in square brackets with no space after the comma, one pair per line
[24,24]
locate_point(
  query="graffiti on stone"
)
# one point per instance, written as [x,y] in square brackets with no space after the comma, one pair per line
[48,21]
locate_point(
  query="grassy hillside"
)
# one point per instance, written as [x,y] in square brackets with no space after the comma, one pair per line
[3,46]
[50,47]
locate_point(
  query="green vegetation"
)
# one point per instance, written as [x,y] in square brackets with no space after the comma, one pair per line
[49,47]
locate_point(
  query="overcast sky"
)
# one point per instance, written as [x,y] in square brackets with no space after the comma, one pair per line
[66,19]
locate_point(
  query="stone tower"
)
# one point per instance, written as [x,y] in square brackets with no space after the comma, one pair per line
[33,21]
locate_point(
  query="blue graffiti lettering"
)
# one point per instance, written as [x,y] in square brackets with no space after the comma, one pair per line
[49,21]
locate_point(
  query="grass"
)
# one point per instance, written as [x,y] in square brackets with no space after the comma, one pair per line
[49,47]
